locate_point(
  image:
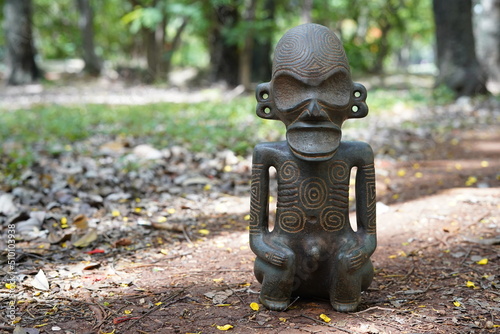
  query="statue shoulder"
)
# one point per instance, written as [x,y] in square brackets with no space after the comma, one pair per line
[271,151]
[271,147]
[358,151]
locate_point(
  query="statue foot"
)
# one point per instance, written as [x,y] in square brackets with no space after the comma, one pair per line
[274,304]
[345,307]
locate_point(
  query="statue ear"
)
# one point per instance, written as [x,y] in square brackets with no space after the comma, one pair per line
[359,109]
[265,104]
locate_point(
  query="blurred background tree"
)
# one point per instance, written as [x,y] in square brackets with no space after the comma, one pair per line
[458,66]
[231,41]
[86,24]
[20,57]
[487,36]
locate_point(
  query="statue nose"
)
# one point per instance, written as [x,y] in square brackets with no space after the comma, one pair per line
[314,113]
[314,109]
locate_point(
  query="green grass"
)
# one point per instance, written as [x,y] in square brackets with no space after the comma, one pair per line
[207,126]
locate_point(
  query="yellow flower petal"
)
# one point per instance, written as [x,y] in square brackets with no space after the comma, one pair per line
[225,327]
[10,285]
[470,181]
[325,318]
[482,261]
[457,303]
[127,311]
[204,232]
[254,306]
[470,284]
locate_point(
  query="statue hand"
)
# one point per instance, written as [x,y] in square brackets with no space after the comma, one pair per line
[276,258]
[356,258]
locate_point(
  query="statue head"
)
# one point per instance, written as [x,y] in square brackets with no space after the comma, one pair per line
[311,91]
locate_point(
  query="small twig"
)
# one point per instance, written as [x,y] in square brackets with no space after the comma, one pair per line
[409,273]
[327,324]
[234,293]
[186,235]
[466,255]
[376,308]
[157,307]
[291,303]
[414,292]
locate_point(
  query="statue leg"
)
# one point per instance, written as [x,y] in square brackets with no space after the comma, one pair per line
[345,288]
[277,283]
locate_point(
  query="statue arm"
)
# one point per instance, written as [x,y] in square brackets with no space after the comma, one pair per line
[259,213]
[366,201]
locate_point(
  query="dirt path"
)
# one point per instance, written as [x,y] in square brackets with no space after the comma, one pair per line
[437,261]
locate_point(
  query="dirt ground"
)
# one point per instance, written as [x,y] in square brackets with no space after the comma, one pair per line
[437,264]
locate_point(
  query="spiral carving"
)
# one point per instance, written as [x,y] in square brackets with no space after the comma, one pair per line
[313,193]
[291,220]
[338,171]
[289,172]
[309,50]
[332,220]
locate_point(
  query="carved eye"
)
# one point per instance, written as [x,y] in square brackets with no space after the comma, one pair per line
[288,92]
[336,90]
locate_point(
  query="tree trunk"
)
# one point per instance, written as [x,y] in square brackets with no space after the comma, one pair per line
[456,58]
[488,39]
[173,46]
[246,52]
[306,11]
[383,49]
[19,37]
[224,56]
[261,52]
[93,64]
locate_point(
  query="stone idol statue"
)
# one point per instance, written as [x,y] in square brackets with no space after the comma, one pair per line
[312,250]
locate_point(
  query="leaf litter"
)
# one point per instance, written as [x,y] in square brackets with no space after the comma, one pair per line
[116,225]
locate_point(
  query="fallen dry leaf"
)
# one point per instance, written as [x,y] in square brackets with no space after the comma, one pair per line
[40,281]
[86,239]
[81,222]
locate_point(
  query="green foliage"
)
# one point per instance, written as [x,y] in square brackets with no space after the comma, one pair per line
[117,25]
[207,126]
[140,17]
[55,28]
[443,94]
[200,127]
[361,24]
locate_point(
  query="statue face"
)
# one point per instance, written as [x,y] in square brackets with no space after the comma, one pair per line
[311,91]
[313,112]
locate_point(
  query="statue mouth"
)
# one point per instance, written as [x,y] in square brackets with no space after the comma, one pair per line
[313,141]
